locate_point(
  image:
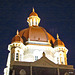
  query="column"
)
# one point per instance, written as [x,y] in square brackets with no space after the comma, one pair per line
[30,70]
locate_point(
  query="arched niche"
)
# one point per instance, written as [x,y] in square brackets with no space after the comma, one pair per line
[22,72]
[66,73]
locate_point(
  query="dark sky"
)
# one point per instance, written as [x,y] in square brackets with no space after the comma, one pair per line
[56,17]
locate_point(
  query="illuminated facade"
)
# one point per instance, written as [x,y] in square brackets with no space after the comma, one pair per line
[34,46]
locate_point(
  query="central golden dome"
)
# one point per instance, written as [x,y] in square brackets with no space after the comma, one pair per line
[36,34]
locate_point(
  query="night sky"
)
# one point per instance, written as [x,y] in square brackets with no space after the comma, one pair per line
[56,17]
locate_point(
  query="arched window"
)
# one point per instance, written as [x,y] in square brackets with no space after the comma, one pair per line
[36,57]
[22,72]
[66,73]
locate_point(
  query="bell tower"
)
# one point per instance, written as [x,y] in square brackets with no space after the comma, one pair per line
[60,52]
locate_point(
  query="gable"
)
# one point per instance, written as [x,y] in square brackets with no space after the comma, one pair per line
[44,62]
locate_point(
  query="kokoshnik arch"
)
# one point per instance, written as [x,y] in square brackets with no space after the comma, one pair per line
[33,51]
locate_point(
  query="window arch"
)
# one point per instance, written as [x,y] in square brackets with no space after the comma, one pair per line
[17,54]
[36,54]
[22,72]
[66,73]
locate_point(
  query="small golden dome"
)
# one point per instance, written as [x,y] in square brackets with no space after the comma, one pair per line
[33,13]
[58,42]
[17,38]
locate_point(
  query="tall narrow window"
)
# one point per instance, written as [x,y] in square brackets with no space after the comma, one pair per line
[61,60]
[36,57]
[35,23]
[17,56]
[57,60]
[32,23]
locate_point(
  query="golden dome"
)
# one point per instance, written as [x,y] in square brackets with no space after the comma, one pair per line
[36,34]
[33,13]
[17,38]
[58,42]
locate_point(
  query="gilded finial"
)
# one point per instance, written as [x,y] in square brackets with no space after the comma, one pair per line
[43,54]
[17,32]
[57,36]
[33,10]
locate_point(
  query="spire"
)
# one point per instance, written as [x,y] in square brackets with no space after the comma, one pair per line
[33,10]
[17,32]
[57,36]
